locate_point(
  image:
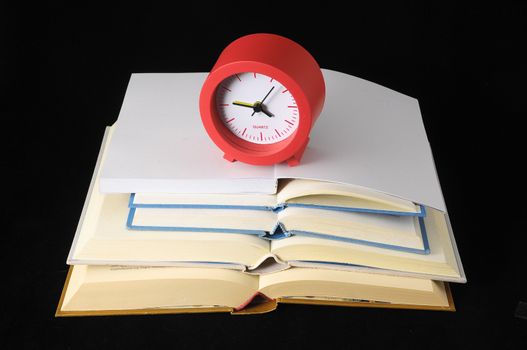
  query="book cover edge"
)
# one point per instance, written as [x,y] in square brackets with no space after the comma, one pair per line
[262,308]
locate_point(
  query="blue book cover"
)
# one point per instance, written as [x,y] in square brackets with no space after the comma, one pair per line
[133,204]
[279,231]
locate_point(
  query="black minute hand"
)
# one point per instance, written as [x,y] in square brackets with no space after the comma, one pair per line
[267,94]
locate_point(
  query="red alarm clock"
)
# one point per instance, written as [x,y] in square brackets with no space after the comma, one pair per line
[261,99]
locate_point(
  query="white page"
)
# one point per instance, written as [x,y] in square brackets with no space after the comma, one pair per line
[160,145]
[370,136]
[367,135]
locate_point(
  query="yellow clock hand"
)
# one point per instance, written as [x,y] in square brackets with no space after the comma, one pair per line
[243,104]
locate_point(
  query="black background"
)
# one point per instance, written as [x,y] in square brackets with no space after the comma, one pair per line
[64,71]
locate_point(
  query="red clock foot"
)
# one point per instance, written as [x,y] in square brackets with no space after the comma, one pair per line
[229,158]
[295,160]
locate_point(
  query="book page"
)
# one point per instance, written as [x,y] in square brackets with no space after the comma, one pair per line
[160,145]
[203,199]
[398,231]
[440,262]
[334,194]
[348,285]
[370,136]
[200,218]
[102,236]
[106,240]
[93,288]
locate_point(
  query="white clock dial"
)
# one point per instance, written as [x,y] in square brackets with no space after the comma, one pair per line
[257,108]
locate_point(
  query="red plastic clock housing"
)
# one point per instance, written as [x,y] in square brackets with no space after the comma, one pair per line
[283,60]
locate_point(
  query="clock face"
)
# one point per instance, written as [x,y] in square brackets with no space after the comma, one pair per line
[257,108]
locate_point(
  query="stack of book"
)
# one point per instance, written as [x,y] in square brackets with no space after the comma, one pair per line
[168,226]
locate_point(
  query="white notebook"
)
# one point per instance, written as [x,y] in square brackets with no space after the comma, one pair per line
[367,136]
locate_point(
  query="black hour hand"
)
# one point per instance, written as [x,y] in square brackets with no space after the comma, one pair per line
[266,112]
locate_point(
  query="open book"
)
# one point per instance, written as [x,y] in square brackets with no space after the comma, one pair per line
[374,243]
[300,208]
[104,290]
[292,193]
[367,135]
